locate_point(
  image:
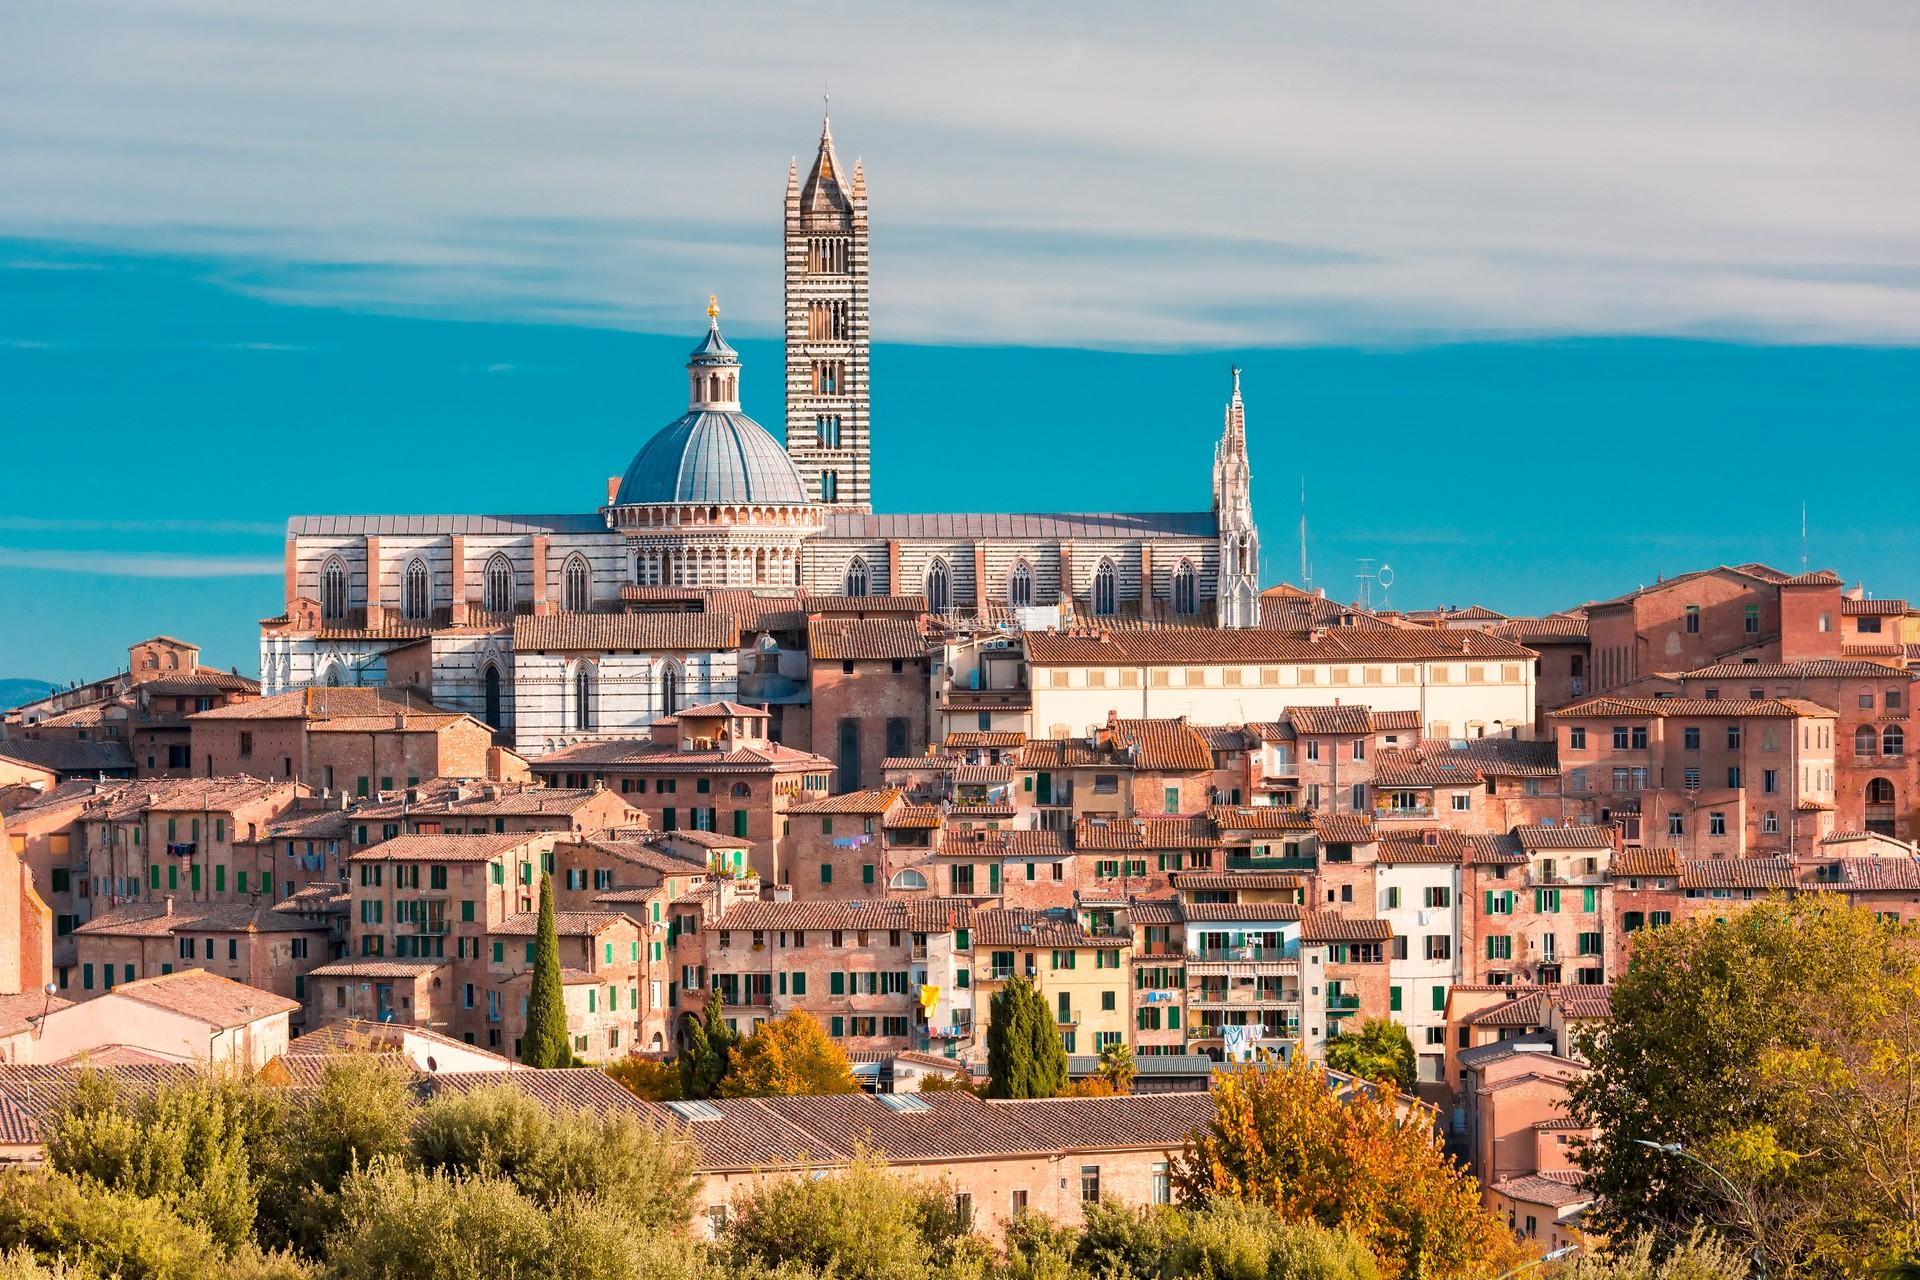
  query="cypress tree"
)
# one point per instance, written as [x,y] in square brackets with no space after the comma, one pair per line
[708,1057]
[1025,1058]
[545,1042]
[1048,1059]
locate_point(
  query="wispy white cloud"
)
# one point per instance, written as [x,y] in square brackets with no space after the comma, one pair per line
[82,524]
[138,564]
[1111,174]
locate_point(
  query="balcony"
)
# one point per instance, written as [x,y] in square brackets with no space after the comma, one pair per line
[747,1000]
[1402,812]
[1222,1000]
[1248,862]
[1161,950]
[1342,1003]
[1249,952]
[987,700]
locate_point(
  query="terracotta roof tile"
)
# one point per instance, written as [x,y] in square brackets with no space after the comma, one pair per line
[1644,863]
[1344,828]
[1532,631]
[1163,745]
[1425,848]
[323,702]
[1812,669]
[868,639]
[1586,836]
[154,920]
[1349,719]
[965,739]
[1326,926]
[1557,1189]
[483,848]
[1872,608]
[1688,708]
[371,968]
[1016,928]
[1737,873]
[1228,912]
[1189,881]
[526,924]
[207,996]
[644,753]
[865,802]
[1268,817]
[638,631]
[918,915]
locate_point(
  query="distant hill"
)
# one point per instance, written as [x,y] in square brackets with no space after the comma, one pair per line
[16,690]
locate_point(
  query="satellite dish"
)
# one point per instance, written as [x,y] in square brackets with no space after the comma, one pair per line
[431,1064]
[1386,575]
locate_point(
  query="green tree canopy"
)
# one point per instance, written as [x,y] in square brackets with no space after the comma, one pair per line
[789,1055]
[707,1055]
[1025,1055]
[1779,1049]
[1380,1050]
[546,1043]
[1282,1139]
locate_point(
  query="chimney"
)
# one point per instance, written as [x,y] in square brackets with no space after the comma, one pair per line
[169,904]
[613,489]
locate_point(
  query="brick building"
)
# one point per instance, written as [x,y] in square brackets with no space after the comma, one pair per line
[354,740]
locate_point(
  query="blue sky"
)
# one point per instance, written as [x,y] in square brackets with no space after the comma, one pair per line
[1542,300]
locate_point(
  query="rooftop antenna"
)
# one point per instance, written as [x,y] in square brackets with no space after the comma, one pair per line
[1803,535]
[1367,578]
[1306,567]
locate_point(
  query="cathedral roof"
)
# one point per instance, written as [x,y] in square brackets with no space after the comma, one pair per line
[711,455]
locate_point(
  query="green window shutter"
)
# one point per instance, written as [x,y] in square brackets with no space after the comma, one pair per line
[836,985]
[740,822]
[1589,899]
[1393,999]
[530,949]
[1439,999]
[837,1027]
[609,953]
[266,882]
[153,876]
[783,982]
[86,977]
[799,983]
[240,882]
[466,910]
[866,873]
[993,877]
[195,878]
[1490,947]
[499,953]
[1489,902]
[592,1003]
[826,873]
[1173,1018]
[173,877]
[636,950]
[499,874]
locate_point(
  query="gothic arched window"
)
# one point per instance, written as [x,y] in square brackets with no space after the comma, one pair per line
[497,596]
[857,583]
[490,700]
[1186,589]
[1106,589]
[829,486]
[416,592]
[576,585]
[939,587]
[1020,585]
[583,696]
[333,589]
[671,686]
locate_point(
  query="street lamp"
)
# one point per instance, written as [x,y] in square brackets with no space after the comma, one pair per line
[1739,1196]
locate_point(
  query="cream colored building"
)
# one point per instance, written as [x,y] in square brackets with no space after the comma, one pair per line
[1461,684]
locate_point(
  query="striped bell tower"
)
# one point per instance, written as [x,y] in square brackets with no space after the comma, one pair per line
[827,317]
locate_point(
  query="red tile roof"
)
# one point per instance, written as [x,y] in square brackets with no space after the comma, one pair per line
[1348,719]
[1737,873]
[1811,669]
[641,631]
[1326,926]
[483,848]
[863,802]
[865,639]
[195,993]
[1872,608]
[1163,745]
[1265,817]
[1644,863]
[1016,928]
[918,915]
[1344,828]
[526,924]
[1689,708]
[1587,836]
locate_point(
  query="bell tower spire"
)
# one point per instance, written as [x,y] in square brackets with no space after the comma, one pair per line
[1238,599]
[826,327]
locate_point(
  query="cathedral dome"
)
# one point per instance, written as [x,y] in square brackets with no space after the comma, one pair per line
[713,453]
[710,455]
